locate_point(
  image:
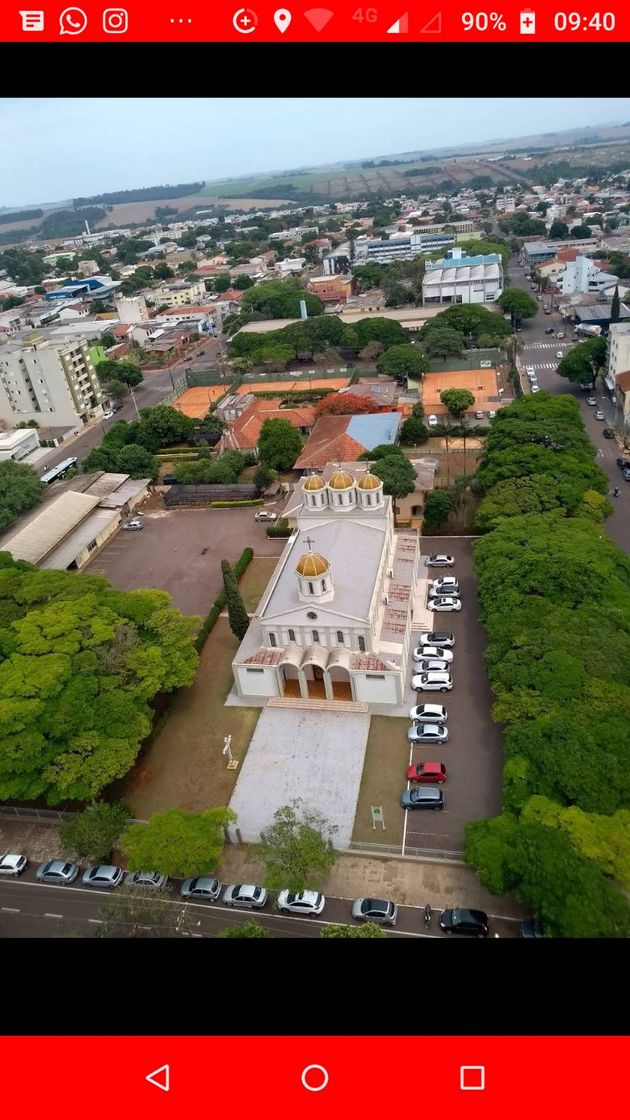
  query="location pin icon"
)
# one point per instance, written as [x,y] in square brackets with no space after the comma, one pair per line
[282,19]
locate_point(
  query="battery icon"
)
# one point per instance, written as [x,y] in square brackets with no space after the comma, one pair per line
[527,19]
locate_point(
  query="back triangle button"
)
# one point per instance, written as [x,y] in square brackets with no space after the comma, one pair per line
[161,1078]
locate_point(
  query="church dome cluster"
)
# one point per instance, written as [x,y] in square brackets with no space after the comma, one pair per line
[342,492]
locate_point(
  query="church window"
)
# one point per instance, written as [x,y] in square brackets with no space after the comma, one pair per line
[323,585]
[361,644]
[340,637]
[272,640]
[315,635]
[311,589]
[291,635]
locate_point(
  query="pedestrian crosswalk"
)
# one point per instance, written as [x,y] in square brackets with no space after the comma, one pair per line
[544,365]
[541,346]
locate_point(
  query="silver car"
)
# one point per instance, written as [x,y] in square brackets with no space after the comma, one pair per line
[245,895]
[427,733]
[439,560]
[428,713]
[446,603]
[57,871]
[306,902]
[375,910]
[105,875]
[447,585]
[423,652]
[152,880]
[11,864]
[203,888]
[432,665]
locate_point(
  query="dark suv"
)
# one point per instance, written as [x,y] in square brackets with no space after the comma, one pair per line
[473,923]
[422,797]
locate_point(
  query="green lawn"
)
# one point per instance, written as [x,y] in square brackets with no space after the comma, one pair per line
[255,579]
[383,779]
[184,766]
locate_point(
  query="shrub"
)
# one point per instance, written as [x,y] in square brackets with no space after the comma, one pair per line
[244,502]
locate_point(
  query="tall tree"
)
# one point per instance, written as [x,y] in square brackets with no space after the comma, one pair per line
[583,362]
[615,307]
[403,361]
[457,401]
[519,304]
[297,848]
[92,834]
[20,490]
[279,444]
[237,614]
[177,842]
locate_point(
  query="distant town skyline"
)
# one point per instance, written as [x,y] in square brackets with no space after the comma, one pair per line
[58,148]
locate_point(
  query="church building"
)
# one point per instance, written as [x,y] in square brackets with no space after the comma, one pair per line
[335,619]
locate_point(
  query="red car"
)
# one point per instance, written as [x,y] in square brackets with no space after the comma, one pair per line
[426,772]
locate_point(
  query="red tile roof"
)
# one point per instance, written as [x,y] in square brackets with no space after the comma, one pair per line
[246,429]
[329,442]
[623,380]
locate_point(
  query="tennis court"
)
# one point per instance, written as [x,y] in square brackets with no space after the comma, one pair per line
[287,386]
[195,403]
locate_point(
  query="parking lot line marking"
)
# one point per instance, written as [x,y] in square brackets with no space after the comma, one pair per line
[11,909]
[53,915]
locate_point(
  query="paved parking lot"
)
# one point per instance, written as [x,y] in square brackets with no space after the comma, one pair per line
[473,753]
[180,551]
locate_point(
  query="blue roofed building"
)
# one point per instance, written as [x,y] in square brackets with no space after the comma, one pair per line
[373,428]
[92,287]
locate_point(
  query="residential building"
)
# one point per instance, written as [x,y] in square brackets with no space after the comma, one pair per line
[244,431]
[621,396]
[331,289]
[459,278]
[18,444]
[50,381]
[132,309]
[618,354]
[335,619]
[289,265]
[337,438]
[584,275]
[552,269]
[180,293]
[535,251]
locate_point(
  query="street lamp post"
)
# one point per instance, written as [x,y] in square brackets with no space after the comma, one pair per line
[133,397]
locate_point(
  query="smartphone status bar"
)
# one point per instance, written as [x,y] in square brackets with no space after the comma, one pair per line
[197,21]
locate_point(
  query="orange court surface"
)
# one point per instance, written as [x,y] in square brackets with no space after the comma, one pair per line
[195,403]
[288,386]
[482,383]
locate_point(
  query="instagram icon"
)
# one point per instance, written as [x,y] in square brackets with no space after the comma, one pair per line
[115,21]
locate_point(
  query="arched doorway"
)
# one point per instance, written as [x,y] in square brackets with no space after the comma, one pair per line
[340,684]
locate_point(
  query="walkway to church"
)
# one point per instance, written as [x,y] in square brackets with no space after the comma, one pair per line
[312,755]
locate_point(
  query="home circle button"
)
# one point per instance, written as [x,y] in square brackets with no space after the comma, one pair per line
[314,1078]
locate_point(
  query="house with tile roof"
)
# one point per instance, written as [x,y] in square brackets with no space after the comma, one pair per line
[336,438]
[244,430]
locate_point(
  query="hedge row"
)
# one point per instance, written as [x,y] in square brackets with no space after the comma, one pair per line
[219,603]
[280,529]
[245,502]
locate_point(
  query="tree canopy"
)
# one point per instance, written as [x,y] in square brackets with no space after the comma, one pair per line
[397,474]
[443,342]
[457,401]
[177,842]
[92,834]
[470,320]
[345,404]
[297,848]
[280,299]
[403,361]
[79,664]
[583,362]
[279,444]
[20,490]
[518,303]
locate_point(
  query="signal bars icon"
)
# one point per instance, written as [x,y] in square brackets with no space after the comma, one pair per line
[319,17]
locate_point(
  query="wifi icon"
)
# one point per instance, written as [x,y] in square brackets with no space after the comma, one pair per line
[319,17]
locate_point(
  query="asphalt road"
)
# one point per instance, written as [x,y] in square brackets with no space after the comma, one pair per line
[532,336]
[30,909]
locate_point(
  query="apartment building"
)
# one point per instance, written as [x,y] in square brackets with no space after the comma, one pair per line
[400,248]
[177,295]
[618,353]
[132,309]
[53,382]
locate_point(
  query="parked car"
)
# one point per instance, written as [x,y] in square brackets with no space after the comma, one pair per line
[432,665]
[491,414]
[116,408]
[150,880]
[133,526]
[478,414]
[531,929]
[427,733]
[549,330]
[246,895]
[203,888]
[265,515]
[104,875]
[446,603]
[12,864]
[623,463]
[626,474]
[432,682]
[375,910]
[429,713]
[422,797]
[306,902]
[445,585]
[608,433]
[432,651]
[535,387]
[559,353]
[592,401]
[108,415]
[474,923]
[560,334]
[439,560]
[599,415]
[426,772]
[432,421]
[530,371]
[57,871]
[441,637]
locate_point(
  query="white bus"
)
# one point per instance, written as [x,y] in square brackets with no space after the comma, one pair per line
[59,471]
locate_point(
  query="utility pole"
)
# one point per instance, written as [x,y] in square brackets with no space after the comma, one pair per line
[133,397]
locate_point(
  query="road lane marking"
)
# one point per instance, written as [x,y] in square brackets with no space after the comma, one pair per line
[96,921]
[53,915]
[11,909]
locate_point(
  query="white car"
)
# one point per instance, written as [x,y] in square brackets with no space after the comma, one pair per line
[245,895]
[427,733]
[433,665]
[559,353]
[444,583]
[432,651]
[491,414]
[432,682]
[306,902]
[432,420]
[599,415]
[439,560]
[529,370]
[12,864]
[535,388]
[428,713]
[446,603]
[440,592]
[133,526]
[437,638]
[108,415]
[265,515]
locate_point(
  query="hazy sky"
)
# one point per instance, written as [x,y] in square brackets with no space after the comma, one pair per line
[59,148]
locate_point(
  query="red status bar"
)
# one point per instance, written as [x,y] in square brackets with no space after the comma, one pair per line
[393,21]
[489,1078]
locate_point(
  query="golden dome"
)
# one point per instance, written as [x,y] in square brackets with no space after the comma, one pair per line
[369,482]
[314,482]
[340,480]
[312,564]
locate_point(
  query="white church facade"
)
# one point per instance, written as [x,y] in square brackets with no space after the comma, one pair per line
[335,619]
